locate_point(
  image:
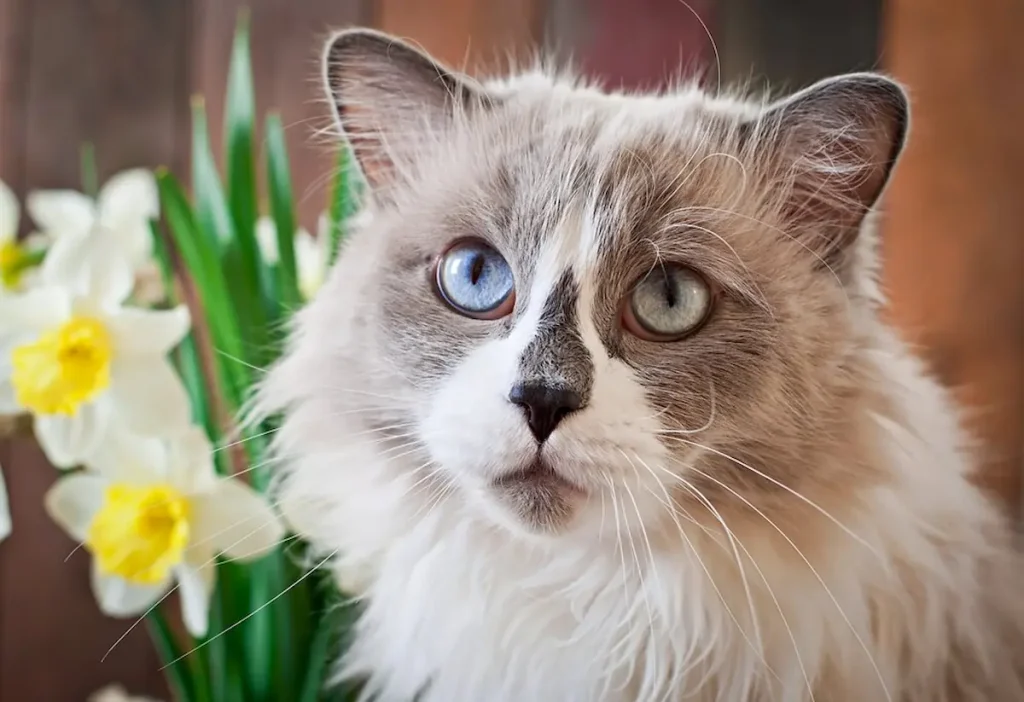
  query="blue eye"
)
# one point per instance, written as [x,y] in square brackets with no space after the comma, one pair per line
[475,280]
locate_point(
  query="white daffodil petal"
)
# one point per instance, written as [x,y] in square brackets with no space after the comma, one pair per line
[8,399]
[117,693]
[61,212]
[310,262]
[136,242]
[190,464]
[68,441]
[149,395]
[140,331]
[306,246]
[126,457]
[9,214]
[323,227]
[237,520]
[92,266]
[195,587]
[36,310]
[119,598]
[111,282]
[266,239]
[128,198]
[73,502]
[5,509]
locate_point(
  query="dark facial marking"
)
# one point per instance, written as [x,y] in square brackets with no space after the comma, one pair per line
[557,356]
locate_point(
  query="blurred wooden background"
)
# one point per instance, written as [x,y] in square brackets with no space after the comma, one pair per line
[120,73]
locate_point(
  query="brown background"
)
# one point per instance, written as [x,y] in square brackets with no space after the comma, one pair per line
[119,73]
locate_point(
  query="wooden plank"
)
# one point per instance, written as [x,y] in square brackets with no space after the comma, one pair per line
[639,44]
[112,72]
[475,35]
[788,44]
[13,86]
[13,83]
[287,38]
[954,244]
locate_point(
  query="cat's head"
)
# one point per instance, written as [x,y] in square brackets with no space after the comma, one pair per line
[562,298]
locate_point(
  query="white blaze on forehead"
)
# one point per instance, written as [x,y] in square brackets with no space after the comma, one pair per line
[558,253]
[588,248]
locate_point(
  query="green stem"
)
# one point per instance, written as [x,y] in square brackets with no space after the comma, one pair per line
[27,260]
[341,205]
[87,163]
[180,681]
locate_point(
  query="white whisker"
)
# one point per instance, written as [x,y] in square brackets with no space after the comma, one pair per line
[244,619]
[821,581]
[814,505]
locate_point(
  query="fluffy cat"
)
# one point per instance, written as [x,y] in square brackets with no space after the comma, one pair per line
[597,405]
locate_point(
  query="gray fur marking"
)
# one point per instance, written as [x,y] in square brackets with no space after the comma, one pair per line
[557,356]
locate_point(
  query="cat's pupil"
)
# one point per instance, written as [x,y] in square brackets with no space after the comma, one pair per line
[669,290]
[477,269]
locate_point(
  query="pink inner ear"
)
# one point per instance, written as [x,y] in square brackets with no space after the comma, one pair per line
[836,144]
[369,150]
[385,92]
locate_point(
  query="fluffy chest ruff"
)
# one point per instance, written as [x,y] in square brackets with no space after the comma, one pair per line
[890,601]
[457,610]
[596,406]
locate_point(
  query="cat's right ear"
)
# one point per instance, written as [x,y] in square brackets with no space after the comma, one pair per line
[391,100]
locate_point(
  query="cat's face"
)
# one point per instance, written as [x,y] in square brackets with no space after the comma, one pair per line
[571,306]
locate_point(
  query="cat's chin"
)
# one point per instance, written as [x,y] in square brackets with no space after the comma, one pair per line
[535,499]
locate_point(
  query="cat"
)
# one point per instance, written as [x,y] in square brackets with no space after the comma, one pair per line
[597,404]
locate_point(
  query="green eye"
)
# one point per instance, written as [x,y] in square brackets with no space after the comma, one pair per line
[667,304]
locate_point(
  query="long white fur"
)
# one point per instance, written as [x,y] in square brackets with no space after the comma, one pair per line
[468,610]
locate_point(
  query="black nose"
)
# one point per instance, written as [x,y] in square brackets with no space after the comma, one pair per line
[545,406]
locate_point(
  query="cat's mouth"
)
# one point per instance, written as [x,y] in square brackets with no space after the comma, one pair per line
[537,474]
[538,495]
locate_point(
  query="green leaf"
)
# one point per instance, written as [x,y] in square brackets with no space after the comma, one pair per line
[215,650]
[163,258]
[279,181]
[181,683]
[340,618]
[318,657]
[333,631]
[27,261]
[239,126]
[191,370]
[239,119]
[345,192]
[231,602]
[298,615]
[203,264]
[241,267]
[263,656]
[211,205]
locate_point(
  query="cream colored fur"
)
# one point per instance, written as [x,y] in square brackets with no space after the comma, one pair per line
[837,554]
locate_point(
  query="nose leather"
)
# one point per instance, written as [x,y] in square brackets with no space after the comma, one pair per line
[545,406]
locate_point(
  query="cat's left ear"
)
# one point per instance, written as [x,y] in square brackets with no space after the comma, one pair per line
[392,100]
[833,147]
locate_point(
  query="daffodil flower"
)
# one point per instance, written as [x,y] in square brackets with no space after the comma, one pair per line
[79,361]
[151,512]
[124,207]
[5,509]
[310,253]
[117,693]
[18,259]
